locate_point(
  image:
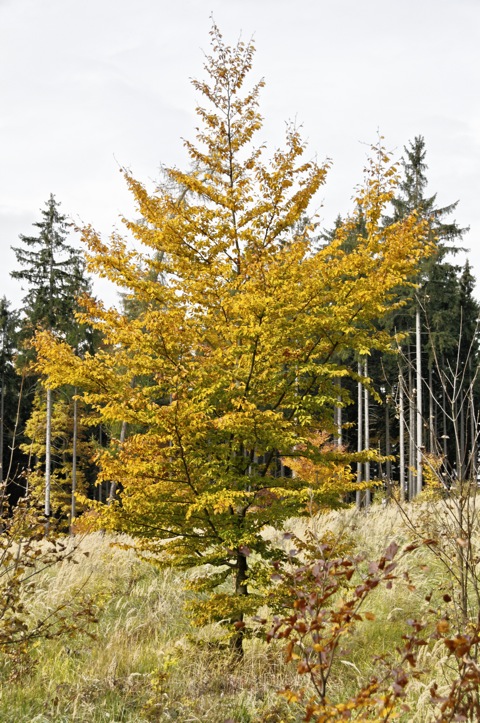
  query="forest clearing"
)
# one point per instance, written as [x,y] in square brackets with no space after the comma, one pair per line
[144,661]
[248,491]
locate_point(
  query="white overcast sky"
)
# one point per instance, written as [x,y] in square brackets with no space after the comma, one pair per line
[89,85]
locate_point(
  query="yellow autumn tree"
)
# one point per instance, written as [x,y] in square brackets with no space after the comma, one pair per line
[228,362]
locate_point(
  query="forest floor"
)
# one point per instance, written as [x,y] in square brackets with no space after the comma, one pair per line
[145,662]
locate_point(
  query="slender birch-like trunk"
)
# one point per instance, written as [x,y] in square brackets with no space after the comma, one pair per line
[463,440]
[74,459]
[444,417]
[431,412]
[100,486]
[368,494]
[401,402]
[358,495]
[418,398]
[338,414]
[411,433]
[48,453]
[388,446]
[473,429]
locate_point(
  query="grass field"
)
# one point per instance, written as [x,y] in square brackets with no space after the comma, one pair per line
[145,662]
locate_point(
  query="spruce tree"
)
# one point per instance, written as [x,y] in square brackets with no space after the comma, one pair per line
[441,320]
[54,275]
[448,316]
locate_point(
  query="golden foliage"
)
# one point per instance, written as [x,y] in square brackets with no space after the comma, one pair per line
[228,360]
[325,470]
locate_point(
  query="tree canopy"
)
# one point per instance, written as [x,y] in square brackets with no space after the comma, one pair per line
[228,367]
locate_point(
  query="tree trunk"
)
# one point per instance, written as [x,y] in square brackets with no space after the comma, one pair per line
[431,414]
[338,414]
[368,494]
[74,459]
[241,589]
[419,456]
[99,486]
[358,495]
[113,484]
[411,434]
[462,443]
[473,435]
[401,385]
[388,448]
[48,453]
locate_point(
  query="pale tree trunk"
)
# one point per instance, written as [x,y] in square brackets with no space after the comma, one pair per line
[431,413]
[401,384]
[444,419]
[411,434]
[368,494]
[462,437]
[455,414]
[48,453]
[473,431]
[100,486]
[74,459]
[419,459]
[359,435]
[338,414]
[388,447]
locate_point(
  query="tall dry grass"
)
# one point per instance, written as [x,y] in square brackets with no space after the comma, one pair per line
[147,663]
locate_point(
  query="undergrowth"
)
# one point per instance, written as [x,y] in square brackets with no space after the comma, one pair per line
[146,663]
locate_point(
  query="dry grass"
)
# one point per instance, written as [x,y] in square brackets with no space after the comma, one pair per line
[146,663]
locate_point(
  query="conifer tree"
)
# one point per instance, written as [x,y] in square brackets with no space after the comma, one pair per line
[230,363]
[53,273]
[438,308]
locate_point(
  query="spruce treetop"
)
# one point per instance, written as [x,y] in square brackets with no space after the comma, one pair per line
[53,273]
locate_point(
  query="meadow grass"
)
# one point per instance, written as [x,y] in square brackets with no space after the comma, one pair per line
[145,662]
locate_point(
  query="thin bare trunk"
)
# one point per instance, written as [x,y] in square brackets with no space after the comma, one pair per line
[74,459]
[431,416]
[368,494]
[359,435]
[444,418]
[100,486]
[462,442]
[48,453]
[338,414]
[388,446]
[411,435]
[473,436]
[419,457]
[401,384]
